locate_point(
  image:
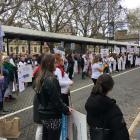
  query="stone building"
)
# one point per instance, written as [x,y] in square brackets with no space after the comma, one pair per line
[125,36]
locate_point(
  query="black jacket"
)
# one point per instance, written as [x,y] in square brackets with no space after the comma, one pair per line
[48,103]
[103,111]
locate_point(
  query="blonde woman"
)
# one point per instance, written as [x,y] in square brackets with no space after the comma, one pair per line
[97,68]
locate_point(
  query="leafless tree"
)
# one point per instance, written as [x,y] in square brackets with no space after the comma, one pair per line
[134,20]
[93,17]
[8,10]
[50,15]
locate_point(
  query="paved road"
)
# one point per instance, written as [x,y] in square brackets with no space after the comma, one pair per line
[126,92]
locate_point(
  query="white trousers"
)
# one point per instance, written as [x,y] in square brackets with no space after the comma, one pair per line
[38,135]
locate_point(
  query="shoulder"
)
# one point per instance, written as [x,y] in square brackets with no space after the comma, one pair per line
[50,81]
[57,72]
[95,65]
[115,111]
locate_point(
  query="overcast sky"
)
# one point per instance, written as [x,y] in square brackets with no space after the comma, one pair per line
[131,4]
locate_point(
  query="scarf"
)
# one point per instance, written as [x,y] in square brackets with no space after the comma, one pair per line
[61,68]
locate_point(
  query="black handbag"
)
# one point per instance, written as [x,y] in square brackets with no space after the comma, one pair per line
[100,134]
[103,133]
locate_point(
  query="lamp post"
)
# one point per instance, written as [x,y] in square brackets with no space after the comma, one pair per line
[108,14]
[139,41]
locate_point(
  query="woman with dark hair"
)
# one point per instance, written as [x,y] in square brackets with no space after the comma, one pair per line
[70,65]
[103,114]
[50,106]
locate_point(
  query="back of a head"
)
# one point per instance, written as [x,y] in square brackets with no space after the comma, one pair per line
[47,68]
[104,84]
[96,59]
[47,62]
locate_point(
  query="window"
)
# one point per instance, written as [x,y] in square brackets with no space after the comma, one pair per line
[17,50]
[11,49]
[35,49]
[4,49]
[23,49]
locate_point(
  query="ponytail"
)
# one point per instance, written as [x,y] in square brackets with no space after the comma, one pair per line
[97,89]
[103,85]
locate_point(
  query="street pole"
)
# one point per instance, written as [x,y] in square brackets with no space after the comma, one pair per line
[139,41]
[108,24]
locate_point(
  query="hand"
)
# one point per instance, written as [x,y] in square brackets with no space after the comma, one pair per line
[71,83]
[70,110]
[1,77]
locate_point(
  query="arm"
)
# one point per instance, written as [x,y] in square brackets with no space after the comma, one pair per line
[118,126]
[100,70]
[61,80]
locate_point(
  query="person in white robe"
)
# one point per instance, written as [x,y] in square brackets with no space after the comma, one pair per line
[123,62]
[120,61]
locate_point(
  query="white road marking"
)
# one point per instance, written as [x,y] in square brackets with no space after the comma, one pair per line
[27,108]
[134,125]
[112,76]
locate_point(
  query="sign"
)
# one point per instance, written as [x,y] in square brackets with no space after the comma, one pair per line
[28,72]
[25,73]
[130,49]
[62,44]
[123,50]
[104,52]
[72,46]
[79,126]
[116,50]
[21,79]
[136,50]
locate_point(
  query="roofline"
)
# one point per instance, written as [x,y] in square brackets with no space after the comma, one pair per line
[35,35]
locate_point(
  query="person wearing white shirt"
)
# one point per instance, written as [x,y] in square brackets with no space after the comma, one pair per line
[111,63]
[130,59]
[22,62]
[97,69]
[123,62]
[120,61]
[85,68]
[64,80]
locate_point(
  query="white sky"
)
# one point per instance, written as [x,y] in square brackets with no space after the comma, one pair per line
[131,4]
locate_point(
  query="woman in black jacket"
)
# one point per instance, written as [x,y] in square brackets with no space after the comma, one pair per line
[103,112]
[48,93]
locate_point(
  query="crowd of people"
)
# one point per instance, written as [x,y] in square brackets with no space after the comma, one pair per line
[89,64]
[52,86]
[52,78]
